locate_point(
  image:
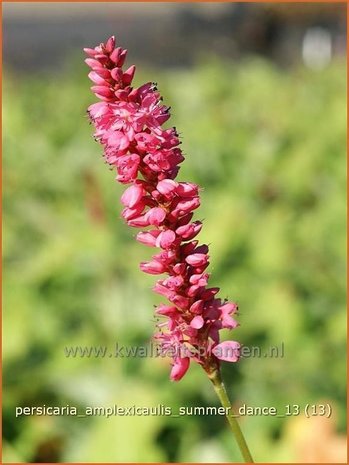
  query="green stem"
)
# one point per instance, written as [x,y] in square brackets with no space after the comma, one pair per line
[219,387]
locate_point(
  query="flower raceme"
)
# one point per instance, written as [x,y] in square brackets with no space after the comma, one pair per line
[146,156]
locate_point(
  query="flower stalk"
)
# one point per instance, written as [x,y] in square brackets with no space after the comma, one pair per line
[222,394]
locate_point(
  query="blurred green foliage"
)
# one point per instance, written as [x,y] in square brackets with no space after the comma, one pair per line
[268,147]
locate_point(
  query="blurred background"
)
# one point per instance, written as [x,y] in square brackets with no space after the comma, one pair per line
[258,94]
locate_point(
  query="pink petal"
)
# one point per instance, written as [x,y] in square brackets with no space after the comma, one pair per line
[110,44]
[186,206]
[98,109]
[96,78]
[200,279]
[228,351]
[122,57]
[155,216]
[166,310]
[187,189]
[229,322]
[163,290]
[179,268]
[103,72]
[174,282]
[153,267]
[116,74]
[208,294]
[102,91]
[197,322]
[138,222]
[128,75]
[179,368]
[166,186]
[132,195]
[189,231]
[166,239]
[193,290]
[90,51]
[148,237]
[114,56]
[197,306]
[229,308]
[197,259]
[180,301]
[130,213]
[118,139]
[92,63]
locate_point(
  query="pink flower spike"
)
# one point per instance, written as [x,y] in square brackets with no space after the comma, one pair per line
[146,157]
[179,368]
[229,351]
